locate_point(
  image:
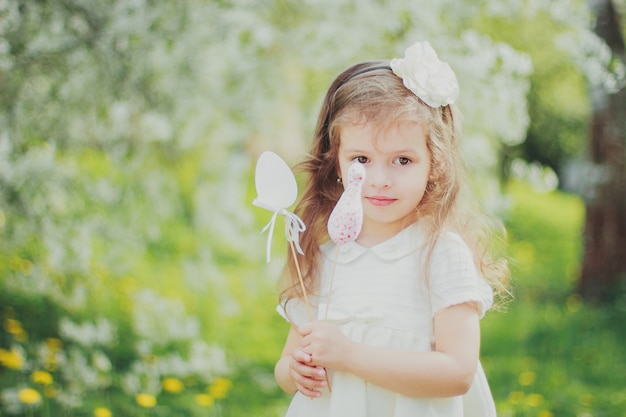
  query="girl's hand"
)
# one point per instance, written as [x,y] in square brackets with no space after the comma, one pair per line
[307,378]
[326,344]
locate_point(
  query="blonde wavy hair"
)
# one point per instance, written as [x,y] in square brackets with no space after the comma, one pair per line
[370,92]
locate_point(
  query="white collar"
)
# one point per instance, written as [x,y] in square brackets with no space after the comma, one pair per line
[406,241]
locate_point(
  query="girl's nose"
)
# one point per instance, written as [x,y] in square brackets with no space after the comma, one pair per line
[378,177]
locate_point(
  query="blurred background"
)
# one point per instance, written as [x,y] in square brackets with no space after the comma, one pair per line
[133,279]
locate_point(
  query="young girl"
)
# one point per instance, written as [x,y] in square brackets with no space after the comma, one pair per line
[397,333]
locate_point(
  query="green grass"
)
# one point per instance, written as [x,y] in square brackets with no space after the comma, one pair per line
[550,354]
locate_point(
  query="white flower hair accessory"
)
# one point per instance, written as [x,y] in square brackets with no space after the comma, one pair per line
[426,76]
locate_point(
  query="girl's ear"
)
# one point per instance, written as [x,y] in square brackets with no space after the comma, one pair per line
[339,176]
[338,167]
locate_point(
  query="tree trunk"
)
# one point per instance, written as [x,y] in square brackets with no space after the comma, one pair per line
[603,274]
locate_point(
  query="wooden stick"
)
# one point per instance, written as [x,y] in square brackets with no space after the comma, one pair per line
[306,299]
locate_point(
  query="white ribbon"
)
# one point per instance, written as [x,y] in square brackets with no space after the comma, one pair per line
[293,226]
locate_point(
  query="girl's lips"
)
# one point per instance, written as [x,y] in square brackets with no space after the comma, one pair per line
[380,201]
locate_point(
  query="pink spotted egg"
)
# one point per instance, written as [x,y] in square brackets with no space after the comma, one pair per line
[346,219]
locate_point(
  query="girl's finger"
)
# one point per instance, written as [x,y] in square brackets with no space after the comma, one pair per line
[299,355]
[309,392]
[310,387]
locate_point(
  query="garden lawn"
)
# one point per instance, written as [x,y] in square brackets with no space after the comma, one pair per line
[549,354]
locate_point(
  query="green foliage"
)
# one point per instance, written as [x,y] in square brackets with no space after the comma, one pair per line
[550,354]
[558,104]
[545,241]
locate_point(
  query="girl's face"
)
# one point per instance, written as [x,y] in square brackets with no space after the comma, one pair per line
[397,166]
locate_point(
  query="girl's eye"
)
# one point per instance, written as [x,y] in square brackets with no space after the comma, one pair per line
[360,159]
[401,160]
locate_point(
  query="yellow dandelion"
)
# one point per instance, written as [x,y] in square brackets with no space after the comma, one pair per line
[13,326]
[527,378]
[50,363]
[102,412]
[11,359]
[172,385]
[534,400]
[145,400]
[21,337]
[205,400]
[41,377]
[50,359]
[586,400]
[545,413]
[220,387]
[29,396]
[516,397]
[4,357]
[53,343]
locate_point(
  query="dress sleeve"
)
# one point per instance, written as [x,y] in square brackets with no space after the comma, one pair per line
[454,278]
[295,312]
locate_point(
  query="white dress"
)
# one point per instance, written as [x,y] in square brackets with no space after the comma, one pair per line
[379,297]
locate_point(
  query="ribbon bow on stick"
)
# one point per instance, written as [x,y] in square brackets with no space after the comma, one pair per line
[293,226]
[277,190]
